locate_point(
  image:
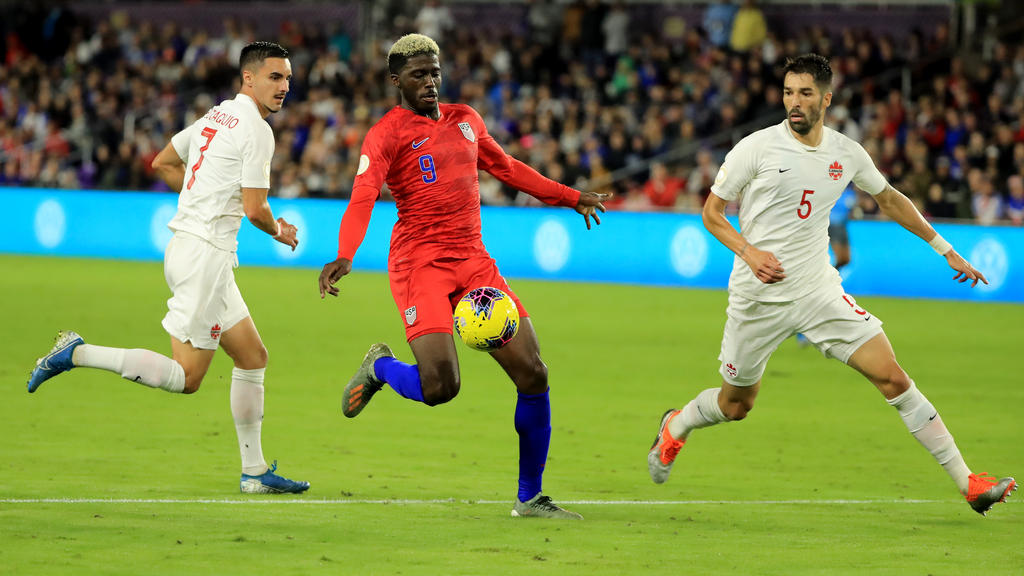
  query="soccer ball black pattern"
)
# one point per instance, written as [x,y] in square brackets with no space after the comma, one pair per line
[486,319]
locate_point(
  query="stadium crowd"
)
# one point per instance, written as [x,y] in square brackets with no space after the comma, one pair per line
[580,91]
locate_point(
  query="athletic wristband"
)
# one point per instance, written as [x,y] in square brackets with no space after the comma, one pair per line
[940,245]
[278,235]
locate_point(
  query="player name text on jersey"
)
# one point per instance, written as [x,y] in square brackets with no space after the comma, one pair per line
[222,118]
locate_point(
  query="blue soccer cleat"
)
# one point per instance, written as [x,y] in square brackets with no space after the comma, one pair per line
[270,483]
[57,361]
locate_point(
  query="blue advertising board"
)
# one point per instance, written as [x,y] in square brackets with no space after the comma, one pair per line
[543,243]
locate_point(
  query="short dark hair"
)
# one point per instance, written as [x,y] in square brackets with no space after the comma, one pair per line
[815,65]
[255,53]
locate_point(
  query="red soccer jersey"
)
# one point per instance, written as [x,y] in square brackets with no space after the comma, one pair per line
[431,167]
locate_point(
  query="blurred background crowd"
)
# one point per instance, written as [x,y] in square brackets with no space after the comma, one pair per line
[643,99]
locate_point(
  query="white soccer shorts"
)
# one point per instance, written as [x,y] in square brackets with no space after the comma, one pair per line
[205,300]
[829,318]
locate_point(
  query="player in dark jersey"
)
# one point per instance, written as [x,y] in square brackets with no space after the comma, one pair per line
[429,154]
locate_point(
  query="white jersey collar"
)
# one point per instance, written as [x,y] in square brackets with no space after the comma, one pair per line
[246,98]
[801,145]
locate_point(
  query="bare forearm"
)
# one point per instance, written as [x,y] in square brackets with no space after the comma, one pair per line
[257,209]
[173,176]
[720,228]
[764,265]
[262,217]
[169,167]
[898,207]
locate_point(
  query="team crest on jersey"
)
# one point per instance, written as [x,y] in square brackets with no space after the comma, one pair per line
[467,131]
[835,171]
[410,315]
[731,370]
[215,331]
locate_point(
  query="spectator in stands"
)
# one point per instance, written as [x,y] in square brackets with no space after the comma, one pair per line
[114,81]
[1015,202]
[936,206]
[955,197]
[616,30]
[915,184]
[434,20]
[698,185]
[662,190]
[718,20]
[749,28]
[988,205]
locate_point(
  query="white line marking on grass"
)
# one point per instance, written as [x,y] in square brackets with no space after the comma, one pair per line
[299,501]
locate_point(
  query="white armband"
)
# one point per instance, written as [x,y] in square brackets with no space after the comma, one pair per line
[278,235]
[940,245]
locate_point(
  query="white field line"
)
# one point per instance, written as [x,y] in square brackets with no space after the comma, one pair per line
[349,501]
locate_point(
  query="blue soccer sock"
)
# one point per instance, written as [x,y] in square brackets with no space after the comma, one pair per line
[403,378]
[533,423]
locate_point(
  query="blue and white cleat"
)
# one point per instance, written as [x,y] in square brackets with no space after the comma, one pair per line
[270,483]
[57,361]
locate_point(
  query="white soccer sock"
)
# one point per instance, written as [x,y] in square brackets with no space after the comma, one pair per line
[247,409]
[701,412]
[926,425]
[138,365]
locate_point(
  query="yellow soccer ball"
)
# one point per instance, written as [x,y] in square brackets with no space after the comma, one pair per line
[486,319]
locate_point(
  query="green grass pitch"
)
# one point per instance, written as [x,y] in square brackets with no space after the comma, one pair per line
[101,476]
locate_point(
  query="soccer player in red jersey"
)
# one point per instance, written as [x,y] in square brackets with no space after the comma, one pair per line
[429,154]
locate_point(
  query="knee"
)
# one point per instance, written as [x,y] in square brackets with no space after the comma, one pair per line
[192,382]
[249,357]
[439,385]
[737,409]
[894,381]
[888,377]
[253,360]
[532,378]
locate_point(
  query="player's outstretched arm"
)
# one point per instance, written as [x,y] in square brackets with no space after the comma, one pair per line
[493,160]
[332,272]
[765,266]
[589,204]
[898,207]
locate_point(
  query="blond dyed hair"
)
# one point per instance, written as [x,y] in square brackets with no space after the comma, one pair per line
[408,46]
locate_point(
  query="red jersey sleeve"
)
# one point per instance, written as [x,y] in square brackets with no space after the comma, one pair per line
[492,159]
[374,163]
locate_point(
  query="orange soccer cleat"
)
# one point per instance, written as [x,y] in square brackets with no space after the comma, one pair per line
[984,491]
[664,450]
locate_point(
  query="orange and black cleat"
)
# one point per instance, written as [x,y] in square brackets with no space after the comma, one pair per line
[364,384]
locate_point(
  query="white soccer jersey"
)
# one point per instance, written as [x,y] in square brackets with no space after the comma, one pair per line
[786,191]
[228,149]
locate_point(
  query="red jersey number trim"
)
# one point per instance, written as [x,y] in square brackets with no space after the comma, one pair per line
[431,168]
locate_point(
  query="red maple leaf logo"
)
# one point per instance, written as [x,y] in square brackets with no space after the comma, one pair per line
[835,171]
[215,331]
